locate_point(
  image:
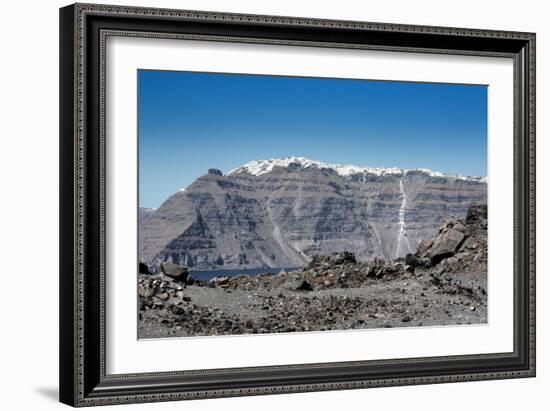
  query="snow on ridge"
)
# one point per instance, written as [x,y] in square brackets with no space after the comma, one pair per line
[259,167]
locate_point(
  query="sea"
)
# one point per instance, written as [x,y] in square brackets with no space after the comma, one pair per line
[206,275]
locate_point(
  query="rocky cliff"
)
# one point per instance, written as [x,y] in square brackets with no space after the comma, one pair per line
[279,213]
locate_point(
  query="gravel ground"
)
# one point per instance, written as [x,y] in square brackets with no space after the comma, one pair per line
[418,300]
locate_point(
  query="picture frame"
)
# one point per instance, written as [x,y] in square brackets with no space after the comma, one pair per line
[84,82]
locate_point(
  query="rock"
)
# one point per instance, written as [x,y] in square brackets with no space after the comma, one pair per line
[458,226]
[219,280]
[178,310]
[477,213]
[412,260]
[423,248]
[305,286]
[328,261]
[215,171]
[282,272]
[445,245]
[143,268]
[178,272]
[344,257]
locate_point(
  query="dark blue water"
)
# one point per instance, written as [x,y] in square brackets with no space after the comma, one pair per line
[205,275]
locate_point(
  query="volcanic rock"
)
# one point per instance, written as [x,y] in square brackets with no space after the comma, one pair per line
[305,286]
[143,268]
[445,245]
[178,272]
[412,260]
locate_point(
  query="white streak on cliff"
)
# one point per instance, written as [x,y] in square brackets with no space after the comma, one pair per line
[291,252]
[402,234]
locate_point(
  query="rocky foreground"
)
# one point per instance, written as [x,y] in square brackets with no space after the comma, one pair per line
[443,283]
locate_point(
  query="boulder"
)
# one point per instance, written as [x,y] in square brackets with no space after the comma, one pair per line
[412,260]
[177,272]
[305,286]
[423,248]
[143,268]
[445,245]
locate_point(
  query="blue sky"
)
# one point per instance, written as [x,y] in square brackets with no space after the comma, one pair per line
[190,122]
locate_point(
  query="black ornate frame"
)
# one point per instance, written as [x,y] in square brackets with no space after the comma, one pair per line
[83,30]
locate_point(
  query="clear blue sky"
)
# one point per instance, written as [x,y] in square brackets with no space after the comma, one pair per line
[190,122]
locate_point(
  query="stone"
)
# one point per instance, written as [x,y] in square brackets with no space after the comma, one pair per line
[423,248]
[344,257]
[143,268]
[412,260]
[477,213]
[305,286]
[219,280]
[445,245]
[178,310]
[458,226]
[177,272]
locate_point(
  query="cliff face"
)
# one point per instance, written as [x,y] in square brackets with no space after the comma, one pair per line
[144,213]
[279,213]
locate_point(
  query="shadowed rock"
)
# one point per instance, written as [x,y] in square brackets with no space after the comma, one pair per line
[305,286]
[143,268]
[445,245]
[412,260]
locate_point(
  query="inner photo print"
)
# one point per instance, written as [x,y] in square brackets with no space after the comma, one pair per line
[276,204]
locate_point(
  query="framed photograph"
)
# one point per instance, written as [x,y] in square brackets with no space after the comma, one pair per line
[261,204]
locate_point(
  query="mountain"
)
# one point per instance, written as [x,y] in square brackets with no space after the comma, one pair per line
[144,213]
[279,213]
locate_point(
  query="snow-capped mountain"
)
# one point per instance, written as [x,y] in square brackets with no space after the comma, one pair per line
[279,213]
[259,167]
